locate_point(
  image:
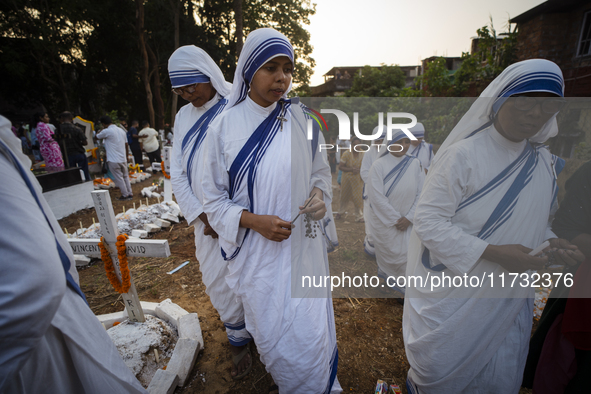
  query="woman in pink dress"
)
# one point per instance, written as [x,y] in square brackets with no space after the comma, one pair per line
[50,149]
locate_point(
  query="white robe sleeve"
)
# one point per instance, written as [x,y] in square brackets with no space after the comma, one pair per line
[549,233]
[377,198]
[321,177]
[420,173]
[448,243]
[366,162]
[190,205]
[222,213]
[33,281]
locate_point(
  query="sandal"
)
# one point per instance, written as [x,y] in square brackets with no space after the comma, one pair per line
[238,358]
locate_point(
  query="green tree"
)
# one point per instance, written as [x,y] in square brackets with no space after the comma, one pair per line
[53,37]
[494,53]
[89,57]
[436,81]
[384,81]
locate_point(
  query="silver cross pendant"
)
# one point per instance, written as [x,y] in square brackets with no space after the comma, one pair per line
[280,117]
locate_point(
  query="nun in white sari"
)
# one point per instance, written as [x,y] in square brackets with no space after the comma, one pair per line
[393,188]
[487,201]
[420,149]
[262,164]
[195,77]
[50,341]
[375,151]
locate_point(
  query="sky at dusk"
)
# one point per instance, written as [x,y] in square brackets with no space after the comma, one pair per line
[356,33]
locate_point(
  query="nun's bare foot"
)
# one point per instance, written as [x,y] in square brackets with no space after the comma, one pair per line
[241,361]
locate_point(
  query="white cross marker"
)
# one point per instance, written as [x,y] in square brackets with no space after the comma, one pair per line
[166,155]
[139,248]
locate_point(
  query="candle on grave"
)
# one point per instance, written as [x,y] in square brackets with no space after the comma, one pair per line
[81,227]
[134,206]
[66,231]
[158,200]
[93,221]
[123,209]
[147,201]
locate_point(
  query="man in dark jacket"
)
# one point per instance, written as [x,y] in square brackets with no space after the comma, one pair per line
[74,141]
[134,144]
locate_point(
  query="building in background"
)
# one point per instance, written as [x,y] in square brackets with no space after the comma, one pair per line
[339,79]
[560,31]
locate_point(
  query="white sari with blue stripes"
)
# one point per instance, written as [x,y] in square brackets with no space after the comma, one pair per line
[484,190]
[423,152]
[393,188]
[50,340]
[369,158]
[187,166]
[273,175]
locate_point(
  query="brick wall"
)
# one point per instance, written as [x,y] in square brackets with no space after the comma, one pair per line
[555,37]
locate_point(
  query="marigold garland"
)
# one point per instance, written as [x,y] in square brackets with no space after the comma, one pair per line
[164,171]
[125,284]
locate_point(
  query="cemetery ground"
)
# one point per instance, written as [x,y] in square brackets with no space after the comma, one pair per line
[369,330]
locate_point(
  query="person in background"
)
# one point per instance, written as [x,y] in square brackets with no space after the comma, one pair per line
[196,78]
[419,148]
[331,155]
[48,146]
[74,142]
[393,188]
[559,359]
[149,139]
[352,184]
[342,145]
[133,140]
[116,147]
[22,135]
[376,151]
[34,143]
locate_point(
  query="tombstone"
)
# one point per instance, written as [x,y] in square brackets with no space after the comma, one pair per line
[57,180]
[166,155]
[87,127]
[135,248]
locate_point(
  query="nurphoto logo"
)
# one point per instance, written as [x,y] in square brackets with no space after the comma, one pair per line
[345,130]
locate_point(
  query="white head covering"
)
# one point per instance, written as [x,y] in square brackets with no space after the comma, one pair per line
[397,135]
[418,130]
[190,64]
[260,46]
[382,131]
[535,75]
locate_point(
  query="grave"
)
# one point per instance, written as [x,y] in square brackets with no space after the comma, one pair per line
[65,191]
[190,340]
[57,180]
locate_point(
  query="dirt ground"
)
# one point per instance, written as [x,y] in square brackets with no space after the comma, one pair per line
[369,330]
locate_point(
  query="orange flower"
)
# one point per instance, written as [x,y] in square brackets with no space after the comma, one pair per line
[125,284]
[163,171]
